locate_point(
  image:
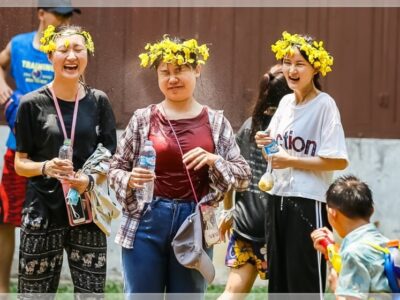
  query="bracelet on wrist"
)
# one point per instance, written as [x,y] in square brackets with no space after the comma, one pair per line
[90,185]
[44,168]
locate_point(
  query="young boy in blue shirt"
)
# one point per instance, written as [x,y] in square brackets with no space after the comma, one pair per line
[350,206]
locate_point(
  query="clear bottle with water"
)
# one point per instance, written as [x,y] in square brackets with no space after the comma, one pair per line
[147,160]
[266,182]
[66,151]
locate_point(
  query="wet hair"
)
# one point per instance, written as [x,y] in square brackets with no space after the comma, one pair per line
[62,29]
[68,30]
[272,88]
[351,197]
[309,39]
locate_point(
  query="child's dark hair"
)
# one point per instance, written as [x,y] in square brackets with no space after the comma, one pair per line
[272,88]
[351,197]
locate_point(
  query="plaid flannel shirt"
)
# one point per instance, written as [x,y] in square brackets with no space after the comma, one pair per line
[229,171]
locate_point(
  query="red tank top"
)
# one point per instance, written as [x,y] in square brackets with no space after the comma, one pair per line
[171,178]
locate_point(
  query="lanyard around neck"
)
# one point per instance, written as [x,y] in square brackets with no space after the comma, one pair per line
[61,117]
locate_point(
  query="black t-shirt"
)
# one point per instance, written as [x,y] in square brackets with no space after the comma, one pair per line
[39,134]
[249,214]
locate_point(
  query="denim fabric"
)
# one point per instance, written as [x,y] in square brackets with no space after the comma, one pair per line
[151,266]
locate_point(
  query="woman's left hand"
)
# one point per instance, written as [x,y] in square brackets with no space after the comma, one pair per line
[79,182]
[198,157]
[281,159]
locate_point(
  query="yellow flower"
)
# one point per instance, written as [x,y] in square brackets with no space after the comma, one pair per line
[51,46]
[144,60]
[47,38]
[88,41]
[49,31]
[318,57]
[168,51]
[49,35]
[180,60]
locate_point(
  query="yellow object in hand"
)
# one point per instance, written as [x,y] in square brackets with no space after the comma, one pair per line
[266,182]
[334,257]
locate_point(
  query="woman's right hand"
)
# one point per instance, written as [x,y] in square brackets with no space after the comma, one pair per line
[59,168]
[139,176]
[262,138]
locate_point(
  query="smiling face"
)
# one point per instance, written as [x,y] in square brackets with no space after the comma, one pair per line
[298,71]
[177,83]
[70,57]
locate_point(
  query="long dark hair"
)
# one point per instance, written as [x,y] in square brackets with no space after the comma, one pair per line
[272,88]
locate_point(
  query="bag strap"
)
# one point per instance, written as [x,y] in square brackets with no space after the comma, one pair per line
[180,149]
[379,248]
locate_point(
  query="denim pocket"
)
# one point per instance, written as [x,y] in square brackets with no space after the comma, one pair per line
[147,210]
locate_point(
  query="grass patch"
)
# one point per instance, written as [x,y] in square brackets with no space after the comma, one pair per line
[117,287]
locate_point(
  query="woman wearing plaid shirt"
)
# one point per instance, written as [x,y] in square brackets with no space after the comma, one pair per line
[210,154]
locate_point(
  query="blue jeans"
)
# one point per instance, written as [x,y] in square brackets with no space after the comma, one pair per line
[151,266]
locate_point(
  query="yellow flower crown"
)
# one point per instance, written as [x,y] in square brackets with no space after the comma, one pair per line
[168,51]
[48,44]
[318,57]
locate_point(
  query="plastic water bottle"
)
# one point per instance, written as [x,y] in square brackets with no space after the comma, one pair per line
[147,160]
[266,182]
[66,151]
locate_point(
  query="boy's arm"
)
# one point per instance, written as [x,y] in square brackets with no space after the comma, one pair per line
[5,58]
[354,278]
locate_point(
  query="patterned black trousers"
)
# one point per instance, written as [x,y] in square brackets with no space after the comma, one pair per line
[41,257]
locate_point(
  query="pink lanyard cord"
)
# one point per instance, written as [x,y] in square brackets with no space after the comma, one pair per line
[61,117]
[180,149]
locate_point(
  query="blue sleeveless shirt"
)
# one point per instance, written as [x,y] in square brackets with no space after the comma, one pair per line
[30,69]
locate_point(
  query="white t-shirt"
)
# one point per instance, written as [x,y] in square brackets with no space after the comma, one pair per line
[311,129]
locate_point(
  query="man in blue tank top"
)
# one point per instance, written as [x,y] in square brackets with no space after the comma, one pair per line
[30,69]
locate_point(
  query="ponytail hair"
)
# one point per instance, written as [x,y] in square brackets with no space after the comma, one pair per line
[272,88]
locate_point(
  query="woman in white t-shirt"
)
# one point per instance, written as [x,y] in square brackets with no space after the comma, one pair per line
[311,142]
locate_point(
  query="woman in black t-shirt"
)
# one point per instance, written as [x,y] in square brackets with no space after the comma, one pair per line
[244,223]
[45,119]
